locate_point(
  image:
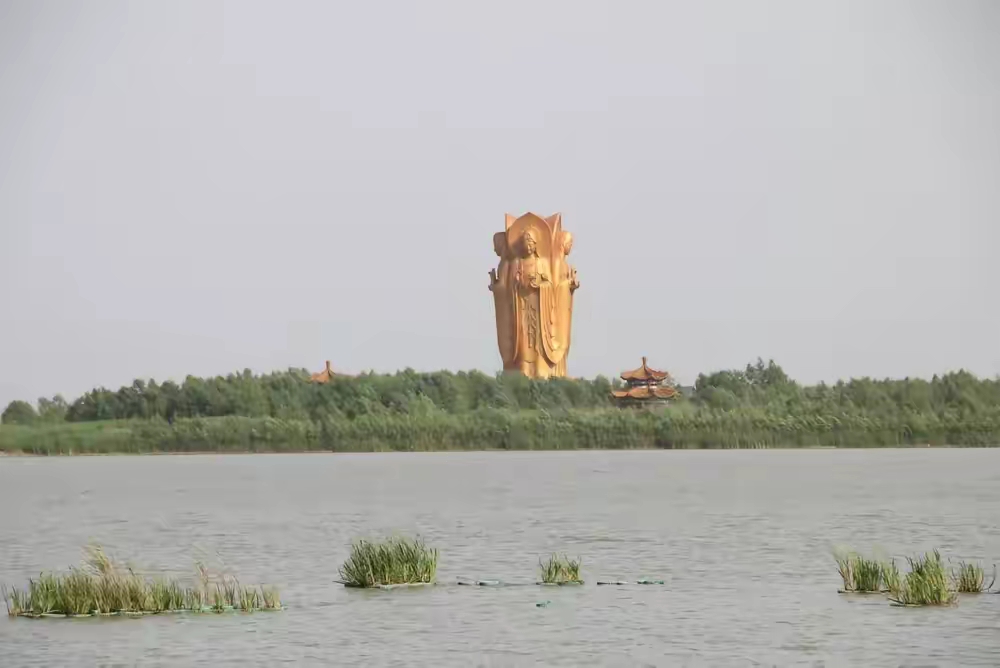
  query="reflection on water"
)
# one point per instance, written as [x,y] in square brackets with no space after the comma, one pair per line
[742,539]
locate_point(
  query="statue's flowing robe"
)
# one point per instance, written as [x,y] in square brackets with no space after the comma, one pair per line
[563,287]
[538,347]
[552,343]
[564,313]
[505,303]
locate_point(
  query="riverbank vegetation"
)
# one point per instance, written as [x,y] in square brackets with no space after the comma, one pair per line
[104,587]
[755,407]
[395,561]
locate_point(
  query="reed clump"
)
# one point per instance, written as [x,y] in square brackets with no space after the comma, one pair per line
[862,575]
[560,570]
[102,586]
[970,578]
[394,561]
[927,583]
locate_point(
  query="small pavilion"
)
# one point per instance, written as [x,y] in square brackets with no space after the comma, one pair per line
[323,376]
[645,386]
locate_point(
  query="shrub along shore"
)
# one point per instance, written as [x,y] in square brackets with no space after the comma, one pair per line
[524,430]
[409,411]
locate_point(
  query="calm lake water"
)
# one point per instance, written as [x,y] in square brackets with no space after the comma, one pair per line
[743,540]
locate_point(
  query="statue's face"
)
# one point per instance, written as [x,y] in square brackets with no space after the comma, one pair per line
[529,243]
[499,241]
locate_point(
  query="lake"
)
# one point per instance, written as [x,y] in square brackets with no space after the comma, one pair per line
[743,540]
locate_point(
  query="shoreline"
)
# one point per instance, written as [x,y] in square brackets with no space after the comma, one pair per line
[201,453]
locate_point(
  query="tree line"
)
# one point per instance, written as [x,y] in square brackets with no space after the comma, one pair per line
[290,395]
[759,388]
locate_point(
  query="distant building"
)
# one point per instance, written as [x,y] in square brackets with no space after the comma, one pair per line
[645,386]
[323,376]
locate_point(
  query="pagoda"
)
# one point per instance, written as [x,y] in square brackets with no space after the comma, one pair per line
[645,386]
[323,376]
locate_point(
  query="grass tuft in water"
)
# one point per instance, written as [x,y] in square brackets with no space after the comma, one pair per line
[393,561]
[102,586]
[925,584]
[559,570]
[971,578]
[891,578]
[865,575]
[269,598]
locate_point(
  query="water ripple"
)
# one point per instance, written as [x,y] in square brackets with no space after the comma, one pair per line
[743,541]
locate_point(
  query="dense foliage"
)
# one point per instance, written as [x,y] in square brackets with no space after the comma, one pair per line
[755,407]
[290,395]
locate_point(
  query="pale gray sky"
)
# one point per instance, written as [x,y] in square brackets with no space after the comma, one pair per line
[200,187]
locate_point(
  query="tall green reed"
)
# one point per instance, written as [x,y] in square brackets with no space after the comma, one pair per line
[970,578]
[103,586]
[393,561]
[864,575]
[559,570]
[927,583]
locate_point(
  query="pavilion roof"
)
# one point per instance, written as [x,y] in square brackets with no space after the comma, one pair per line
[323,376]
[643,392]
[645,373]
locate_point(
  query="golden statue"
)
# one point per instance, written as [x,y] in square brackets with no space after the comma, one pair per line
[533,290]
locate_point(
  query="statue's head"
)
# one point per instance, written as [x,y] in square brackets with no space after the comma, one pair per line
[567,242]
[500,243]
[529,242]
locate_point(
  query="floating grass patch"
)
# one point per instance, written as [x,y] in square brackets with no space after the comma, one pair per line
[970,578]
[864,576]
[927,583]
[103,587]
[891,579]
[560,570]
[392,562]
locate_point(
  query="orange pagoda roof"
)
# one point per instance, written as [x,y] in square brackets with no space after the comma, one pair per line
[323,376]
[644,374]
[643,392]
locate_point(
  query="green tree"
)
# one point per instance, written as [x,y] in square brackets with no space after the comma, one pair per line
[19,412]
[52,410]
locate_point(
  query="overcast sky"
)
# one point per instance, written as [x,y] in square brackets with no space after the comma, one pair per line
[201,187]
